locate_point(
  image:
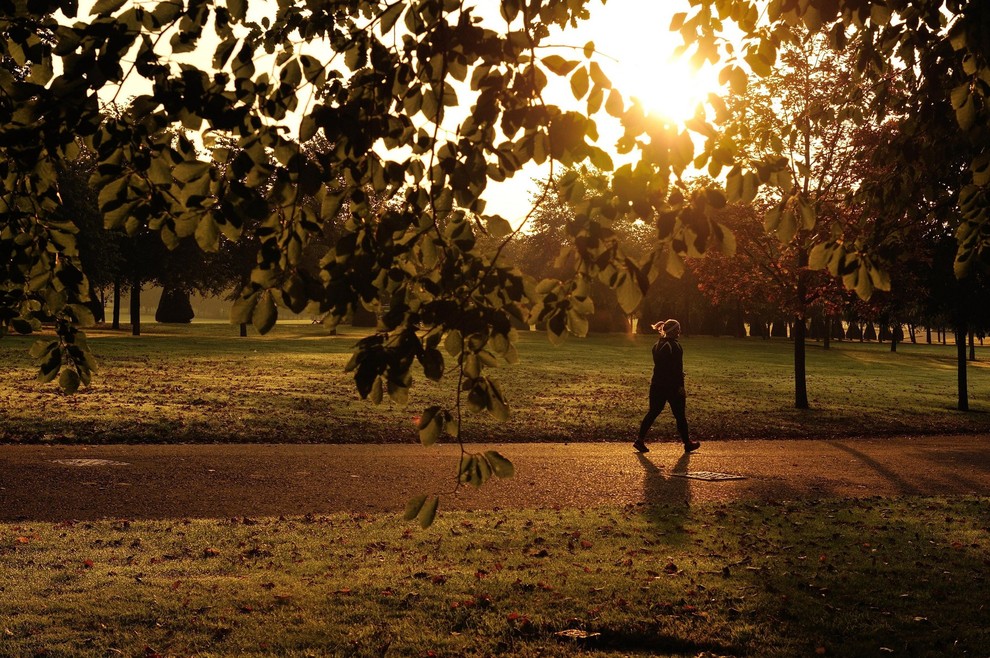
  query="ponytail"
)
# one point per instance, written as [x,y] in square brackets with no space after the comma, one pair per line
[665,326]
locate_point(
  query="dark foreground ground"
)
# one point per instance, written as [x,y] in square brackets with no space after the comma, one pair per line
[61,482]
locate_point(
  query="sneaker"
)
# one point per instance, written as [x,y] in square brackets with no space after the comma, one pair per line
[691,446]
[639,446]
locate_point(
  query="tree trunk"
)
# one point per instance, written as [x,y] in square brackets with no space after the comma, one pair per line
[800,371]
[243,326]
[928,335]
[894,335]
[96,305]
[136,308]
[972,347]
[827,339]
[116,304]
[961,369]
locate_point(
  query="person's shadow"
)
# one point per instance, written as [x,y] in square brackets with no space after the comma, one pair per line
[665,492]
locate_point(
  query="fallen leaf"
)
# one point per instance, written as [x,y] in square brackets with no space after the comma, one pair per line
[576,634]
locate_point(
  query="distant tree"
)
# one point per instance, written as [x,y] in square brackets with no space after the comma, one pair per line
[100,250]
[750,279]
[542,250]
[800,112]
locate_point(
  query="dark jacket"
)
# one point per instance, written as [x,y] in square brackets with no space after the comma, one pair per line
[668,365]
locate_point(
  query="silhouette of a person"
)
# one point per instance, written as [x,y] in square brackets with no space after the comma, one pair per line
[667,386]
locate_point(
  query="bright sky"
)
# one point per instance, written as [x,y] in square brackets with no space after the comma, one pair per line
[637,54]
[635,34]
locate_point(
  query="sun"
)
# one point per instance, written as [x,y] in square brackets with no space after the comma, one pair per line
[667,86]
[638,55]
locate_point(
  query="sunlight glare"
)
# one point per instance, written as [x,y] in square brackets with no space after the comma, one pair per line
[633,36]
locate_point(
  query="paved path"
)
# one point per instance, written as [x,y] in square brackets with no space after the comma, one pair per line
[43,483]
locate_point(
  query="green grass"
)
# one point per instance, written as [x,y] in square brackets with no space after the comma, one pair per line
[201,383]
[830,577]
[843,578]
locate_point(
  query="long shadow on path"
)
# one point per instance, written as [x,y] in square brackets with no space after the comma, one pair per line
[902,485]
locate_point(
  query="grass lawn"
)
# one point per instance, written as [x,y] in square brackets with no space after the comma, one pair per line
[201,383]
[830,577]
[837,578]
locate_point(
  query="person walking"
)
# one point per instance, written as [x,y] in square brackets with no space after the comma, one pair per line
[667,385]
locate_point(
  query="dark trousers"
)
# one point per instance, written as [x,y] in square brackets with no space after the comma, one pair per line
[658,399]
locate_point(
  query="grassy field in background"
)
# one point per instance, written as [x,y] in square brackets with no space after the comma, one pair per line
[830,577]
[835,578]
[202,383]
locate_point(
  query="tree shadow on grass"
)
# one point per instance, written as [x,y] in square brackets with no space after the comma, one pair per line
[889,573]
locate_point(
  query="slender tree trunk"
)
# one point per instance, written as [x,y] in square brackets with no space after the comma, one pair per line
[243,330]
[972,347]
[893,339]
[961,368]
[798,330]
[928,335]
[102,305]
[116,304]
[827,340]
[136,308]
[800,369]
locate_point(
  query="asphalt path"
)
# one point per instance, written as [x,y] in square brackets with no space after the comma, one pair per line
[78,482]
